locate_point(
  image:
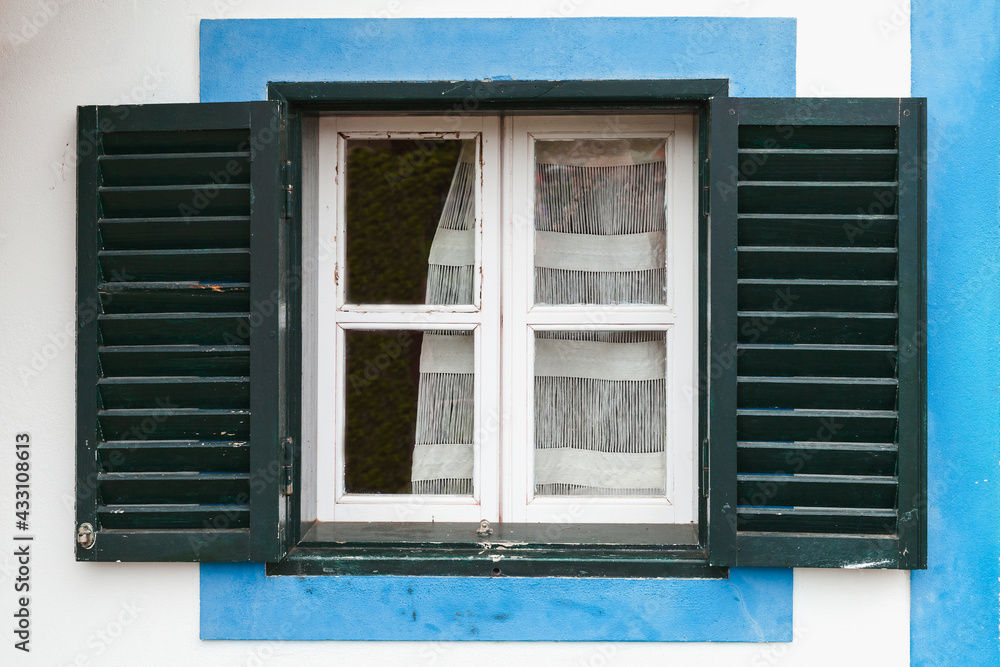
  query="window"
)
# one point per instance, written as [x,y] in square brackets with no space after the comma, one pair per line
[581,406]
[810,422]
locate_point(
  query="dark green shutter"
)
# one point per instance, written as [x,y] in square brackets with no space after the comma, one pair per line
[181,349]
[825,463]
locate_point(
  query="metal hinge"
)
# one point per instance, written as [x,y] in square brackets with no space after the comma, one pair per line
[287,457]
[704,467]
[706,191]
[286,177]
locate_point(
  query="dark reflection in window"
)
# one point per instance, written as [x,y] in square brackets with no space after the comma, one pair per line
[399,191]
[410,411]
[383,376]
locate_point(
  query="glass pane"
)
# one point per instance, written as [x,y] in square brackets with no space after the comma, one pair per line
[410,411]
[600,413]
[600,221]
[410,221]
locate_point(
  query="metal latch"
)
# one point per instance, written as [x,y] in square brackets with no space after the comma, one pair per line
[484,528]
[85,536]
[287,479]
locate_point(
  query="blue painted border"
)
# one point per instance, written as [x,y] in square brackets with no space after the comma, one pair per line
[239,602]
[955,604]
[238,58]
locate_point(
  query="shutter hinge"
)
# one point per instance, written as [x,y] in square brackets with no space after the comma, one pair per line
[704,467]
[706,179]
[286,177]
[287,479]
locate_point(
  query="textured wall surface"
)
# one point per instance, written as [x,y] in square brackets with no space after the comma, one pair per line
[57,54]
[956,65]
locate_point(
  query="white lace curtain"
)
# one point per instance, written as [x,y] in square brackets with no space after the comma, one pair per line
[600,397]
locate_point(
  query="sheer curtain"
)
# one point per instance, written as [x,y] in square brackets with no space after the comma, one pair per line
[443,453]
[600,396]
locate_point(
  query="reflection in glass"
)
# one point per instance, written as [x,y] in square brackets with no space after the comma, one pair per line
[409,412]
[410,221]
[600,221]
[600,413]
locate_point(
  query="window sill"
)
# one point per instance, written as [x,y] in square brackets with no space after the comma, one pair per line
[518,550]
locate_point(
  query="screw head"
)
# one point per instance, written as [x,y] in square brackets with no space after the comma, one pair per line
[85,536]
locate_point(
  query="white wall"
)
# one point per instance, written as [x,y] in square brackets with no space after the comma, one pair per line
[57,54]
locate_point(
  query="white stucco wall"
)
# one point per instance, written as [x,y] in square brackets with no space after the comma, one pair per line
[57,54]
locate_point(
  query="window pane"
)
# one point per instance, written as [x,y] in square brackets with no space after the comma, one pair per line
[600,413]
[410,221]
[410,411]
[600,221]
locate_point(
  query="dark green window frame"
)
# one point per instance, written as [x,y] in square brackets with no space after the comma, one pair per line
[731,530]
[528,550]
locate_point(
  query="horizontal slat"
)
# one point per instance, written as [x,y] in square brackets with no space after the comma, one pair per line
[817,295]
[816,491]
[819,151]
[809,197]
[175,233]
[816,393]
[174,424]
[200,360]
[834,458]
[134,488]
[182,392]
[818,230]
[815,520]
[816,425]
[175,328]
[817,165]
[218,139]
[175,200]
[228,264]
[175,168]
[832,328]
[817,263]
[175,297]
[174,455]
[221,517]
[782,136]
[877,361]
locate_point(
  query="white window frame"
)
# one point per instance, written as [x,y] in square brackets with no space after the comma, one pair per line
[678,317]
[504,382]
[336,316]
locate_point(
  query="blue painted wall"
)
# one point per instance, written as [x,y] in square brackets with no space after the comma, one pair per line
[239,602]
[238,58]
[955,604]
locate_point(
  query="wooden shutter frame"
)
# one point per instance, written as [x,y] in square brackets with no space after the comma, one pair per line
[906,549]
[265,539]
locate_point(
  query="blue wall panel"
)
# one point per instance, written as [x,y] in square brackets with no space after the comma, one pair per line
[239,602]
[238,58]
[955,603]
